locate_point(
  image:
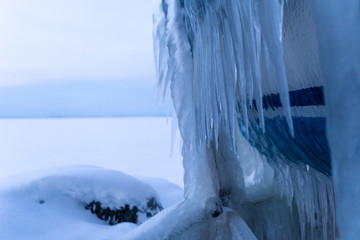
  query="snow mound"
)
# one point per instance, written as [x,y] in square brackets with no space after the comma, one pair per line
[169,193]
[110,190]
[60,203]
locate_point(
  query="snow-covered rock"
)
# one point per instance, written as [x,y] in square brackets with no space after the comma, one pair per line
[58,203]
[104,192]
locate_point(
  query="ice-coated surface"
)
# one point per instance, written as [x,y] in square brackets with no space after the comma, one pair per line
[194,224]
[218,57]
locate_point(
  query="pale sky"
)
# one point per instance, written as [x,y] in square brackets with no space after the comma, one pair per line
[77,58]
[51,40]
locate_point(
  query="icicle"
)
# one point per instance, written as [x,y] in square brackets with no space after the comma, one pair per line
[227,39]
[227,35]
[272,22]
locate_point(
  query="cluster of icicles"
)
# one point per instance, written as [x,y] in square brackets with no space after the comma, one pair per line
[226,40]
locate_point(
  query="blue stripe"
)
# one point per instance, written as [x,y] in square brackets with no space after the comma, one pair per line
[308,146]
[303,97]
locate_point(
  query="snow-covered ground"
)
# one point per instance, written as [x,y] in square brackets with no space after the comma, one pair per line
[137,146]
[39,199]
[51,203]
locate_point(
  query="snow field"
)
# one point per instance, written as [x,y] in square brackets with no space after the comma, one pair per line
[41,203]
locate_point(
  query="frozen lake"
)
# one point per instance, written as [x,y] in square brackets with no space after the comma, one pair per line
[137,146]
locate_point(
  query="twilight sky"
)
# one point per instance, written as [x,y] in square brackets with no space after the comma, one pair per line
[45,44]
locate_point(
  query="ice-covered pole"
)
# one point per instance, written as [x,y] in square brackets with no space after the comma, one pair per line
[238,68]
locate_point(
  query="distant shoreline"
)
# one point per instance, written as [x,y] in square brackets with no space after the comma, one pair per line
[85,117]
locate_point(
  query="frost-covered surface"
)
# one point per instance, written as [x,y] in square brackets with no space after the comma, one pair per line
[50,204]
[196,225]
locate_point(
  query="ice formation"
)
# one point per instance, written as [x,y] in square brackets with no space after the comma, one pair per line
[247,81]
